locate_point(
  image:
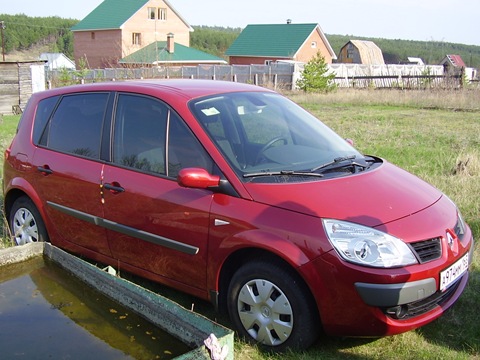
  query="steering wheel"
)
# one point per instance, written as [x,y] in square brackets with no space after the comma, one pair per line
[268,146]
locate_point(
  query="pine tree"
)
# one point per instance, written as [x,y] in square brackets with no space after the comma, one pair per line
[315,77]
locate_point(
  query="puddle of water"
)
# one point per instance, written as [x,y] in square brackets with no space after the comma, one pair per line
[46,312]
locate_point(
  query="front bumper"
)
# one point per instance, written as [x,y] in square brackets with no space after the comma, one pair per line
[365,302]
[389,295]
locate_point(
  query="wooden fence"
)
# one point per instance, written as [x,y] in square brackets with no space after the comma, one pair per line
[401,81]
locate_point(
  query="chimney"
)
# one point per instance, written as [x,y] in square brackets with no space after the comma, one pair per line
[170,43]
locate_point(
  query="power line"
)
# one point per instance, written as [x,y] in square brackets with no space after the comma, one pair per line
[2,27]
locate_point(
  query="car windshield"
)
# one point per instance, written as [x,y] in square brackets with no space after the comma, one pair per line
[265,135]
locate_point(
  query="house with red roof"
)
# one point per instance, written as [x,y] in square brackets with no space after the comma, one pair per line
[453,64]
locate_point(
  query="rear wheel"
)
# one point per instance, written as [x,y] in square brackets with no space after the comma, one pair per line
[26,223]
[271,306]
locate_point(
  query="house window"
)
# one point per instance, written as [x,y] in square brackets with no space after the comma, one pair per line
[151,13]
[350,51]
[162,14]
[314,44]
[92,35]
[136,39]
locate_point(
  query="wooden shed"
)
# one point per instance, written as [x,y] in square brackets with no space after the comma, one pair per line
[18,81]
[361,52]
[453,64]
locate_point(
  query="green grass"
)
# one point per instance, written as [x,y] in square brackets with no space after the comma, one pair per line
[8,126]
[433,135]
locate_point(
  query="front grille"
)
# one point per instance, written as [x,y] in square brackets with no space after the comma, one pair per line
[423,306]
[428,250]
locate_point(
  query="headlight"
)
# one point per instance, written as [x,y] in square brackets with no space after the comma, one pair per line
[460,225]
[366,246]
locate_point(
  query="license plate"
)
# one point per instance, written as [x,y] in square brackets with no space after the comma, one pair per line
[450,275]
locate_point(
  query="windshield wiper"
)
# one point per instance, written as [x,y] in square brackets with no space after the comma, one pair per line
[282,172]
[337,162]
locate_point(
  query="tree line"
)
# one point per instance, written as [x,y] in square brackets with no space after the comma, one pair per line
[21,32]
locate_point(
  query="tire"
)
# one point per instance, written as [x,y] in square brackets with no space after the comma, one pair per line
[26,223]
[269,305]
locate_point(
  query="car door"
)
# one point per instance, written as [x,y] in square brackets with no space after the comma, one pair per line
[69,169]
[154,224]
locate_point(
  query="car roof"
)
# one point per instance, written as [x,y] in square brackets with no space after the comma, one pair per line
[188,88]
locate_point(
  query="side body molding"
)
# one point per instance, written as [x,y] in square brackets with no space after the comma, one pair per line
[110,225]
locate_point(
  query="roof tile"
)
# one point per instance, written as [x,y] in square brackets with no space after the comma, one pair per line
[110,14]
[157,52]
[275,40]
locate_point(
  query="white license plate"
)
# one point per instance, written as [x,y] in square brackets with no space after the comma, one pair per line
[450,275]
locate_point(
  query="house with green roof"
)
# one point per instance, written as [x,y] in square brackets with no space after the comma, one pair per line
[118,28]
[168,52]
[265,43]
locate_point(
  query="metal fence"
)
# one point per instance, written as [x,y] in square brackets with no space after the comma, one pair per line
[273,75]
[276,75]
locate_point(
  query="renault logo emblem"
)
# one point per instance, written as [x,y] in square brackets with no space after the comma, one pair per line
[450,239]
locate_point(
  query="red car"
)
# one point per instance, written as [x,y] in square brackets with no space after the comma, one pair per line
[235,194]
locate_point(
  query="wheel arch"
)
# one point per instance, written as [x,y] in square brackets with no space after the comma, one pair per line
[17,189]
[251,254]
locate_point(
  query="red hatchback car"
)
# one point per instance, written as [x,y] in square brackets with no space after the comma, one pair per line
[235,194]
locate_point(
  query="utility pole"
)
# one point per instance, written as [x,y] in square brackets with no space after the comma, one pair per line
[2,27]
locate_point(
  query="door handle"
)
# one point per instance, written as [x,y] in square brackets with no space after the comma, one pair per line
[114,188]
[45,170]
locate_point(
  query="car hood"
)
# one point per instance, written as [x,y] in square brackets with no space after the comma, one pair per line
[371,198]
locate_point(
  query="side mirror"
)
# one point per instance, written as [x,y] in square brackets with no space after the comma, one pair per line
[197,178]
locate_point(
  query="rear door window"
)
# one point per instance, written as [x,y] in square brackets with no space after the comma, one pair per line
[76,125]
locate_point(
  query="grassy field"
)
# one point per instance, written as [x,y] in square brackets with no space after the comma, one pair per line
[435,135]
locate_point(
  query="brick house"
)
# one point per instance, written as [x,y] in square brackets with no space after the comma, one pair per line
[265,43]
[118,28]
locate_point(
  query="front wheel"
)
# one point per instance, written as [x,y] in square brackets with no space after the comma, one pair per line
[26,223]
[271,306]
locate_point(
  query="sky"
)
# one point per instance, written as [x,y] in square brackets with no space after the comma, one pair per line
[450,21]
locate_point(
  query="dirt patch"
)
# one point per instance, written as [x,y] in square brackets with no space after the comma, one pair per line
[31,54]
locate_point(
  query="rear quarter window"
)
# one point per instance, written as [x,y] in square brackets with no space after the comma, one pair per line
[76,125]
[44,111]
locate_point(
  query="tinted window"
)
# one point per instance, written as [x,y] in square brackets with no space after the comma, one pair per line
[44,110]
[76,125]
[184,150]
[139,137]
